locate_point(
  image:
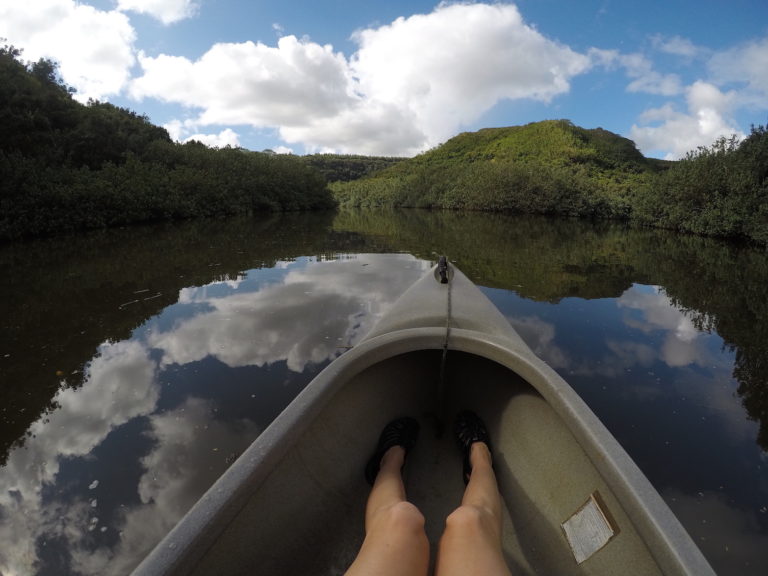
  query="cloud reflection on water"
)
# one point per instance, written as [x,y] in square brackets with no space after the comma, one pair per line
[540,337]
[674,358]
[120,385]
[647,310]
[300,314]
[315,312]
[682,341]
[177,472]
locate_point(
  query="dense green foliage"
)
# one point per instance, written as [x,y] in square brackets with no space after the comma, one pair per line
[346,167]
[550,167]
[554,167]
[66,166]
[721,190]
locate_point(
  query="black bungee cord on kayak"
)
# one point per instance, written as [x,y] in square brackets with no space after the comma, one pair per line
[444,277]
[442,269]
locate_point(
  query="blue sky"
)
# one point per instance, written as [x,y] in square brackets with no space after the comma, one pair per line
[397,78]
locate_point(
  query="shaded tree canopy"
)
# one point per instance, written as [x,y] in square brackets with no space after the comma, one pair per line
[66,166]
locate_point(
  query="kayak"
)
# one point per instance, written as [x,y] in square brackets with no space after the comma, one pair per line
[293,503]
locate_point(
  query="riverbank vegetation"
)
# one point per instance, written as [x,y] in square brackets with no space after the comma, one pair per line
[720,190]
[556,168]
[66,166]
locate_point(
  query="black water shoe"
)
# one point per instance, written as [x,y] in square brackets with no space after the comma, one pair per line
[469,428]
[400,432]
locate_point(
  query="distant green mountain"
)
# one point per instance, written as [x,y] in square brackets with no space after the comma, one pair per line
[554,142]
[549,167]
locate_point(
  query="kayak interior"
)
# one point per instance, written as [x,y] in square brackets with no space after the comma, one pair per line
[306,515]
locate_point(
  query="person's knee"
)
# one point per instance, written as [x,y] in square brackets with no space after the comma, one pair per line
[405,518]
[398,518]
[470,520]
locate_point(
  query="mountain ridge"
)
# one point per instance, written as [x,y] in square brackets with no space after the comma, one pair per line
[547,167]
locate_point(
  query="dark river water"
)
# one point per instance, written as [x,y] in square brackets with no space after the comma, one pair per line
[135,365]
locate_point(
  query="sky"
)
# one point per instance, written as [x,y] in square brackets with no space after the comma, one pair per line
[398,78]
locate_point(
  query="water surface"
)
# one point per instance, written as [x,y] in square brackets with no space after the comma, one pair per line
[137,364]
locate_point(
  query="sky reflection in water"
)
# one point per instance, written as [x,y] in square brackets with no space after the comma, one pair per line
[665,390]
[160,416]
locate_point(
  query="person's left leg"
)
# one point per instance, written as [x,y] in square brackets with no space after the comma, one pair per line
[471,542]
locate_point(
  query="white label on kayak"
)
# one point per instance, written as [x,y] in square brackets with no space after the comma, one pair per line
[588,530]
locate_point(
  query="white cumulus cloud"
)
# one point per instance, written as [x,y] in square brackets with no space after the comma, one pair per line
[449,67]
[94,48]
[226,137]
[746,66]
[737,80]
[708,117]
[167,11]
[410,85]
[187,131]
[265,85]
[644,78]
[676,45]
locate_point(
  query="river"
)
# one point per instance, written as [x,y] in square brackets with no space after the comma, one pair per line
[136,364]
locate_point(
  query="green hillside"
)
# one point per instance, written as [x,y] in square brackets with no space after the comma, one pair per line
[554,142]
[549,167]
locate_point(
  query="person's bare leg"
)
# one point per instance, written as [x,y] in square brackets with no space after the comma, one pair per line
[471,543]
[395,542]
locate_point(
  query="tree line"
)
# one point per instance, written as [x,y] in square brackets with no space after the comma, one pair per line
[348,167]
[66,166]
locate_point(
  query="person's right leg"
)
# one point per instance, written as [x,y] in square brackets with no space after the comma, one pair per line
[395,542]
[471,543]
